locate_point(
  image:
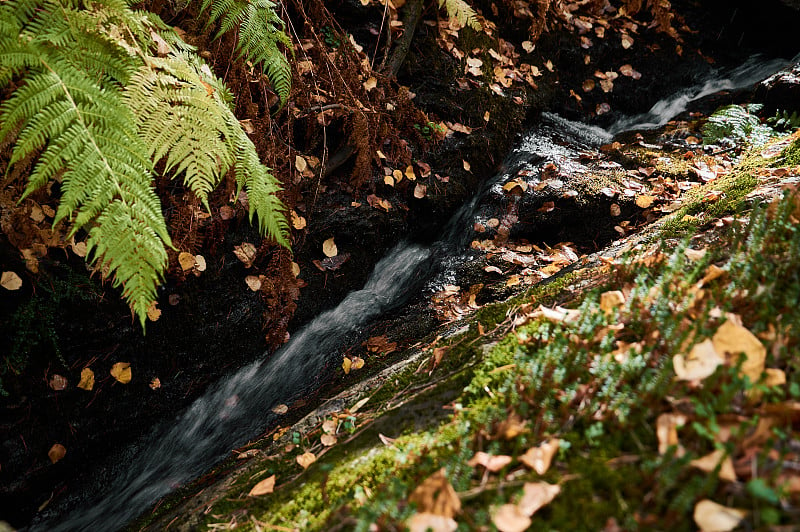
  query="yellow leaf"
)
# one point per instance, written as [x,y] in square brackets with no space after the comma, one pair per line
[425,521]
[153,312]
[710,461]
[300,163]
[306,459]
[295,269]
[611,300]
[493,463]
[389,180]
[329,248]
[10,281]
[264,487]
[298,222]
[539,458]
[467,166]
[436,495]
[397,175]
[87,379]
[358,363]
[346,365]
[186,260]
[122,372]
[644,201]
[775,377]
[253,282]
[328,440]
[667,431]
[536,495]
[56,452]
[509,518]
[732,339]
[701,362]
[710,516]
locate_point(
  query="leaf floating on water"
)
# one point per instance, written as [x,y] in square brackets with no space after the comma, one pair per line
[155,384]
[306,459]
[280,409]
[509,518]
[58,382]
[87,379]
[10,281]
[121,371]
[56,452]
[710,516]
[329,248]
[263,488]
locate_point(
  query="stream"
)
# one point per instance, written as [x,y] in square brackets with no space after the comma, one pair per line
[238,407]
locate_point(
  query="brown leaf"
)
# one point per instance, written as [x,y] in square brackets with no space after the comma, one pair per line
[56,452]
[155,384]
[58,383]
[493,463]
[537,495]
[280,409]
[435,495]
[731,339]
[667,431]
[710,461]
[329,248]
[246,253]
[253,282]
[226,212]
[306,459]
[509,518]
[358,363]
[347,363]
[539,458]
[420,191]
[87,379]
[328,440]
[10,281]
[425,521]
[700,363]
[121,371]
[153,312]
[298,222]
[263,488]
[611,300]
[644,201]
[710,516]
[186,260]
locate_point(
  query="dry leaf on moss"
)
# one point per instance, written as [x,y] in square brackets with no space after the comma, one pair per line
[710,461]
[426,521]
[667,431]
[710,516]
[509,518]
[732,339]
[700,363]
[264,487]
[306,459]
[539,458]
[435,495]
[493,463]
[186,260]
[536,495]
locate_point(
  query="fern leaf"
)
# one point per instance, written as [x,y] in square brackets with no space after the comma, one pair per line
[461,11]
[260,33]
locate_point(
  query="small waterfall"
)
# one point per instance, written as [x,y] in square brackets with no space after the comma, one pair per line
[238,407]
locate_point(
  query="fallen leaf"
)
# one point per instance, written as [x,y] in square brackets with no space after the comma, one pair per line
[493,463]
[155,384]
[694,255]
[358,363]
[295,269]
[10,281]
[409,173]
[710,461]
[246,252]
[253,282]
[199,263]
[328,440]
[775,377]
[280,409]
[153,312]
[539,458]
[435,495]
[627,40]
[329,248]
[58,382]
[370,84]
[611,300]
[56,452]
[306,459]
[537,495]
[300,163]
[467,166]
[528,46]
[644,201]
[186,260]
[425,521]
[87,379]
[732,339]
[420,191]
[667,431]
[347,363]
[263,488]
[509,518]
[298,222]
[710,516]
[121,371]
[226,212]
[615,210]
[701,362]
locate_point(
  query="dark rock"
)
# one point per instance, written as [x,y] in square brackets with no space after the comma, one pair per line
[781,91]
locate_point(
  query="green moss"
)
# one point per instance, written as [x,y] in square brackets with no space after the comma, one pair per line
[791,155]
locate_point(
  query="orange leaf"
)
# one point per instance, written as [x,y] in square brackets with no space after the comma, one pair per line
[264,487]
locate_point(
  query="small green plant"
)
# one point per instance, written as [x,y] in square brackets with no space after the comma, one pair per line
[783,121]
[330,38]
[430,130]
[736,124]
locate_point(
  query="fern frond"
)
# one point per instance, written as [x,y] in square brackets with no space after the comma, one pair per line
[461,11]
[180,119]
[260,32]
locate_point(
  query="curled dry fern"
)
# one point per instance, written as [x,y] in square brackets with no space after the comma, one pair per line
[96,111]
[260,32]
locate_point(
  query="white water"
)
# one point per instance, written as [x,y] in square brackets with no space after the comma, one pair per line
[238,407]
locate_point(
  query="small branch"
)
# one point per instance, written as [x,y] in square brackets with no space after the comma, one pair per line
[412,15]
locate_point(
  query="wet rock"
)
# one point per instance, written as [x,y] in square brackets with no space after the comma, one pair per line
[781,91]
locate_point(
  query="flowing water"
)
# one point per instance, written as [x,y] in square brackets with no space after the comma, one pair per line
[238,408]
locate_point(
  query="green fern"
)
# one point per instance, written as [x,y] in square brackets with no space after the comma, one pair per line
[461,11]
[260,32]
[95,111]
[735,123]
